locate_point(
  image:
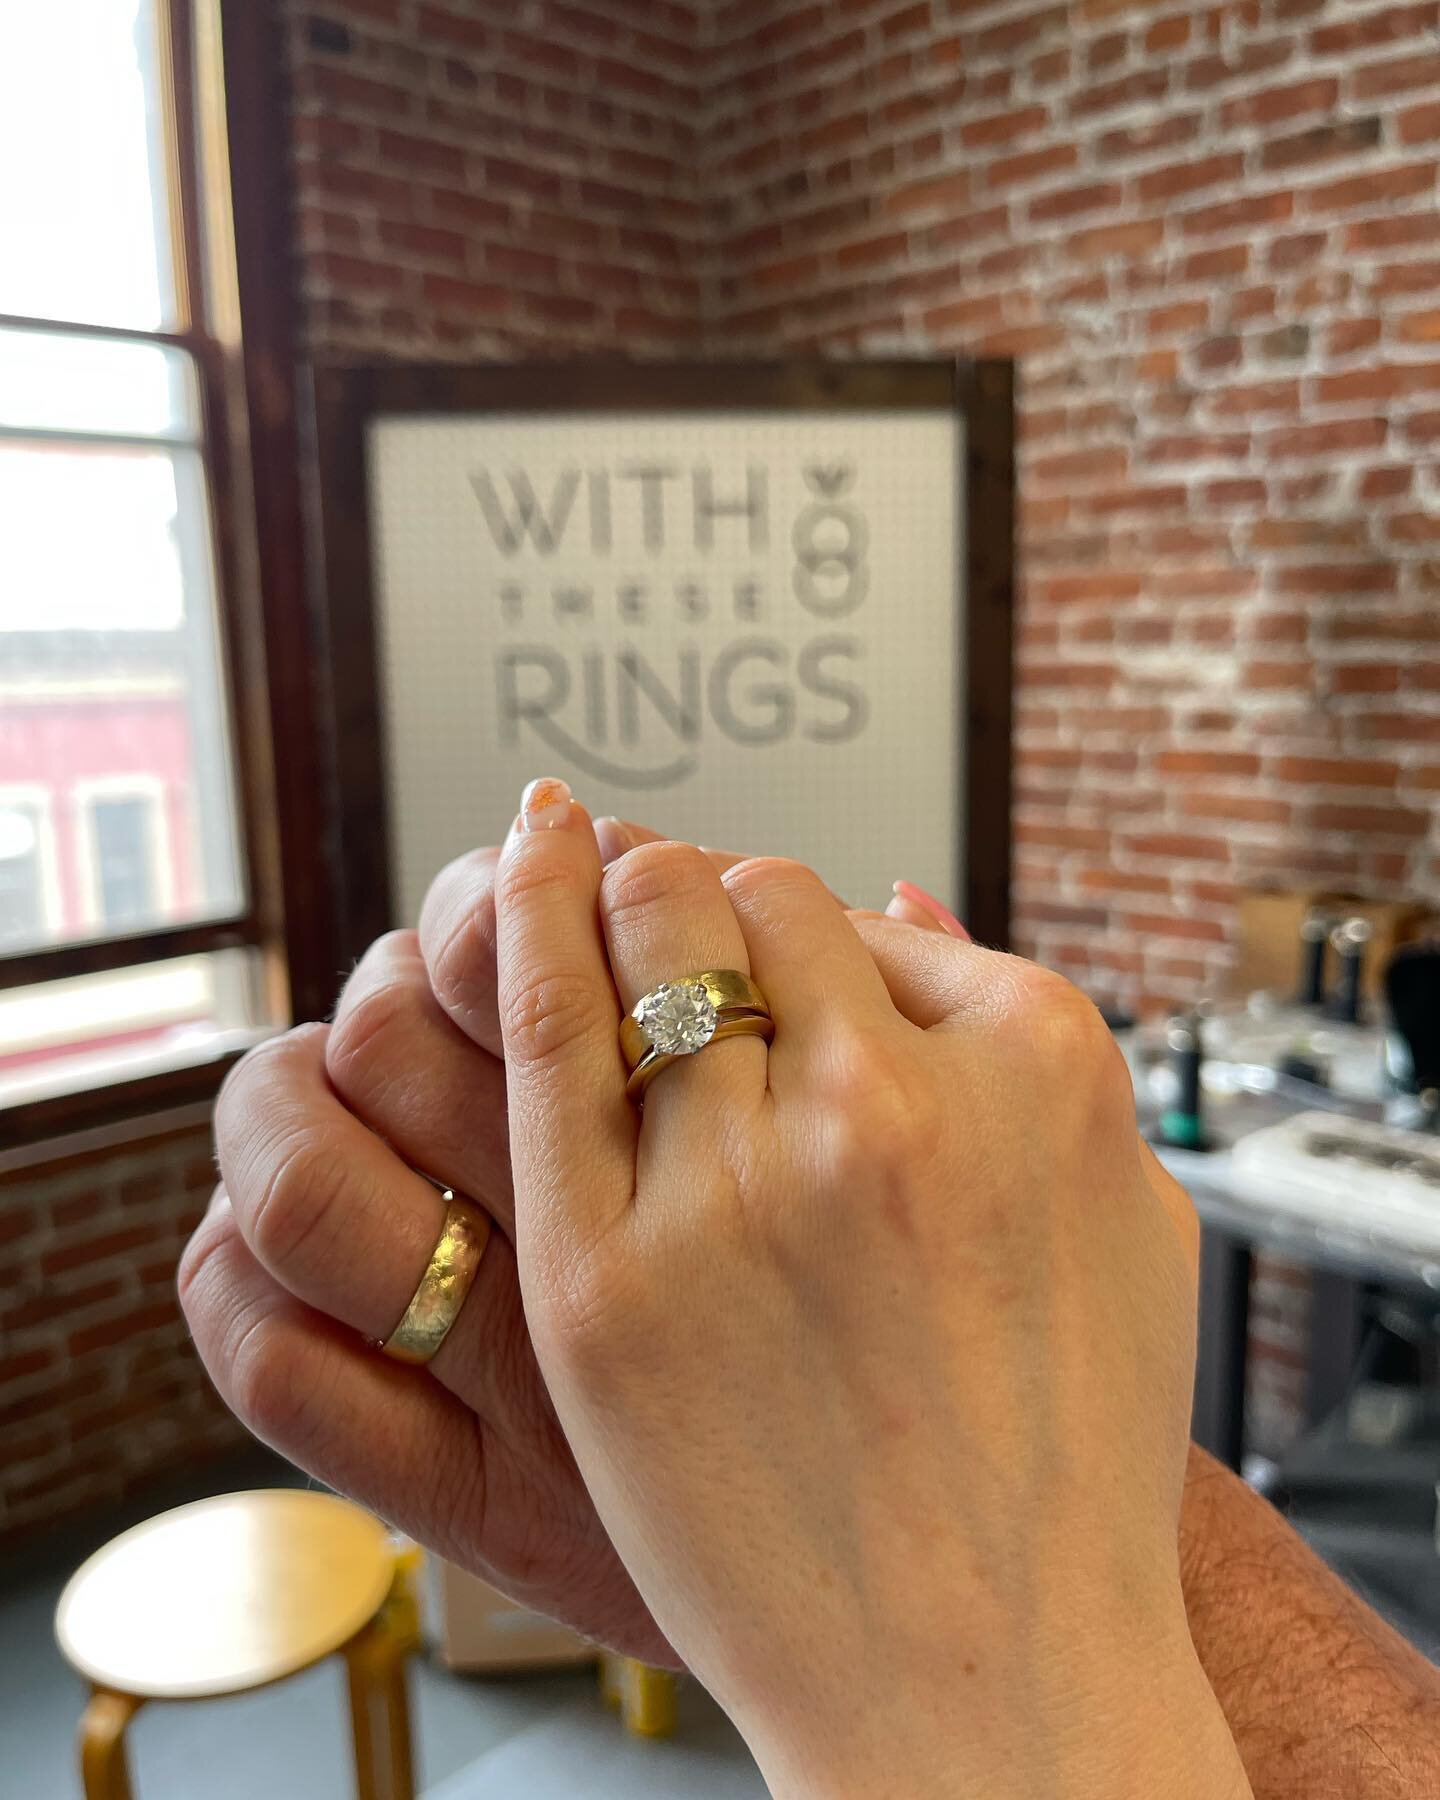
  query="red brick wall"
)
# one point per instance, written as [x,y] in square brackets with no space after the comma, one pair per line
[492,179]
[99,1390]
[1211,235]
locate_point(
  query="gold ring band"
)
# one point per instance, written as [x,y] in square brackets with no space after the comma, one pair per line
[759,1025]
[436,1302]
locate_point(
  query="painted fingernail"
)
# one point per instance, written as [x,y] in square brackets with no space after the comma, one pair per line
[943,917]
[545,805]
[614,838]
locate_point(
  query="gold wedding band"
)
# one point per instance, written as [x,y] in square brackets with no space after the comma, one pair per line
[681,1017]
[436,1302]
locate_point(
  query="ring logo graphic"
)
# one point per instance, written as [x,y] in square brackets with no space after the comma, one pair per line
[695,613]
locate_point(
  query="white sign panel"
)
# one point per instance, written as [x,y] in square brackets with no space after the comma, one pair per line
[743,629]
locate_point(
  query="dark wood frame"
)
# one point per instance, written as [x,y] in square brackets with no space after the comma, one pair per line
[346,400]
[237,324]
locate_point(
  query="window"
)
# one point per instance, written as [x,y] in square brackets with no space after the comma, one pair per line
[128,923]
[129,865]
[27,868]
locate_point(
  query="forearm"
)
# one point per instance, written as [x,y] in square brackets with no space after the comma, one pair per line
[1325,1700]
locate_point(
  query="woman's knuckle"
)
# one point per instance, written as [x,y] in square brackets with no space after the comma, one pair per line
[548,1012]
[532,871]
[651,875]
[1038,989]
[1044,999]
[1067,1034]
[875,1125]
[758,876]
[1083,1032]
[593,1305]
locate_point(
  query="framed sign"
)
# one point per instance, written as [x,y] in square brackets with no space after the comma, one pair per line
[761,607]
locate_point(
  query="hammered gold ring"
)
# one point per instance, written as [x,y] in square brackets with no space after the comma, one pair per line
[435,1305]
[682,1017]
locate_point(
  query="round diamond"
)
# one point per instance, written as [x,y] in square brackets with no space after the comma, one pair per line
[678,1018]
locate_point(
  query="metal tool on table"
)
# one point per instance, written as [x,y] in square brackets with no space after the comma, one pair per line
[1182,1122]
[1315,929]
[1349,940]
[1412,992]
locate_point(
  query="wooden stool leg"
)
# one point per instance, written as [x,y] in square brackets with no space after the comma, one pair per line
[612,1679]
[380,1712]
[104,1769]
[648,1704]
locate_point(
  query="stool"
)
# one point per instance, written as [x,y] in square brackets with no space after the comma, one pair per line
[232,1594]
[644,1697]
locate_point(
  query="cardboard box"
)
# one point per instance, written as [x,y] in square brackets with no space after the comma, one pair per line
[473,1627]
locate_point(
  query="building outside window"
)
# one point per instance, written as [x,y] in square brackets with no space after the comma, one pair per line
[29,900]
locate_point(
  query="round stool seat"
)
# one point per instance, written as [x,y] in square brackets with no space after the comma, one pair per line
[225,1594]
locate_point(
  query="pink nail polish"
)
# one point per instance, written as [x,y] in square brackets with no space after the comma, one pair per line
[613,837]
[907,890]
[545,805]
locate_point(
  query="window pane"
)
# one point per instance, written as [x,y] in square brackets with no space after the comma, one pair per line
[22,874]
[83,208]
[113,730]
[56,381]
[126,853]
[63,1035]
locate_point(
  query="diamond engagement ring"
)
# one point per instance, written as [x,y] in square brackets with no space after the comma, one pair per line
[680,1018]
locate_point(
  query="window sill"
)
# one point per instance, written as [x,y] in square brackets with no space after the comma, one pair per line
[107,1109]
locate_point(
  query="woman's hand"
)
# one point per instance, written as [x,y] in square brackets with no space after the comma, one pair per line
[875,1349]
[320,1232]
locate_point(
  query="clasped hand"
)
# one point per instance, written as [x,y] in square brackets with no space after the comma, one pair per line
[854,1373]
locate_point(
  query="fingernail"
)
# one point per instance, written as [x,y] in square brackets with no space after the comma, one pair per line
[614,838]
[943,917]
[545,805]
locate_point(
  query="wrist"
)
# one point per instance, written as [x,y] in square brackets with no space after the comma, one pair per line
[1126,1717]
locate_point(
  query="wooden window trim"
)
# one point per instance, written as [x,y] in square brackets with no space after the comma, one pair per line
[225,101]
